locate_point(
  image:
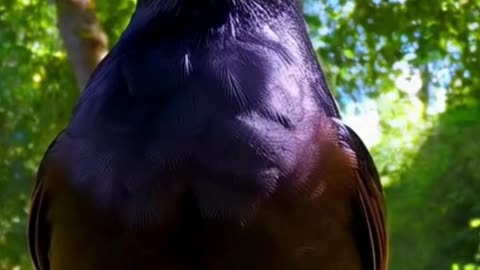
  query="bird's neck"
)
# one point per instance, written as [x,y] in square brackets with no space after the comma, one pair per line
[202,16]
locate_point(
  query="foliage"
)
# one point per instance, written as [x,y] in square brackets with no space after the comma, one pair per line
[367,47]
[395,63]
[38,93]
[34,72]
[435,206]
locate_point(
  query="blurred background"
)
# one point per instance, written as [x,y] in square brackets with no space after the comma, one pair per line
[406,74]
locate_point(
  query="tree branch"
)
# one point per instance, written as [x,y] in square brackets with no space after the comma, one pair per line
[84,39]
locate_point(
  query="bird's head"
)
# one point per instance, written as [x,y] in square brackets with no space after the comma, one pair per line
[175,7]
[170,5]
[204,13]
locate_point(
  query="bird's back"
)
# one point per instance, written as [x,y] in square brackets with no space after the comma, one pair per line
[300,225]
[223,207]
[223,152]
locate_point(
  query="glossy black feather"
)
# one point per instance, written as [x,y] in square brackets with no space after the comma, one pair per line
[206,140]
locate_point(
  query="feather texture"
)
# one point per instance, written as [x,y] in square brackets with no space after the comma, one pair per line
[208,144]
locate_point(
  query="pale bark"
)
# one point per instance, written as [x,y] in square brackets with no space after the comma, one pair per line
[84,39]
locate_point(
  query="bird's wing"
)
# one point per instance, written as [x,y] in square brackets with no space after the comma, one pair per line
[369,197]
[38,227]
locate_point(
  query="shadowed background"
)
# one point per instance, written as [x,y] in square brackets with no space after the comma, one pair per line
[405,74]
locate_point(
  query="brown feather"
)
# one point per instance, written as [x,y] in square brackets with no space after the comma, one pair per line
[369,194]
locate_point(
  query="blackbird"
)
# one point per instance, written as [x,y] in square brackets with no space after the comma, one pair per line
[208,139]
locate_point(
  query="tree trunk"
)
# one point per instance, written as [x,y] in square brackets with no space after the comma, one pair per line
[85,41]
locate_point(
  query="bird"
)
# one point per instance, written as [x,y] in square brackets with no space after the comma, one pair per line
[208,138]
